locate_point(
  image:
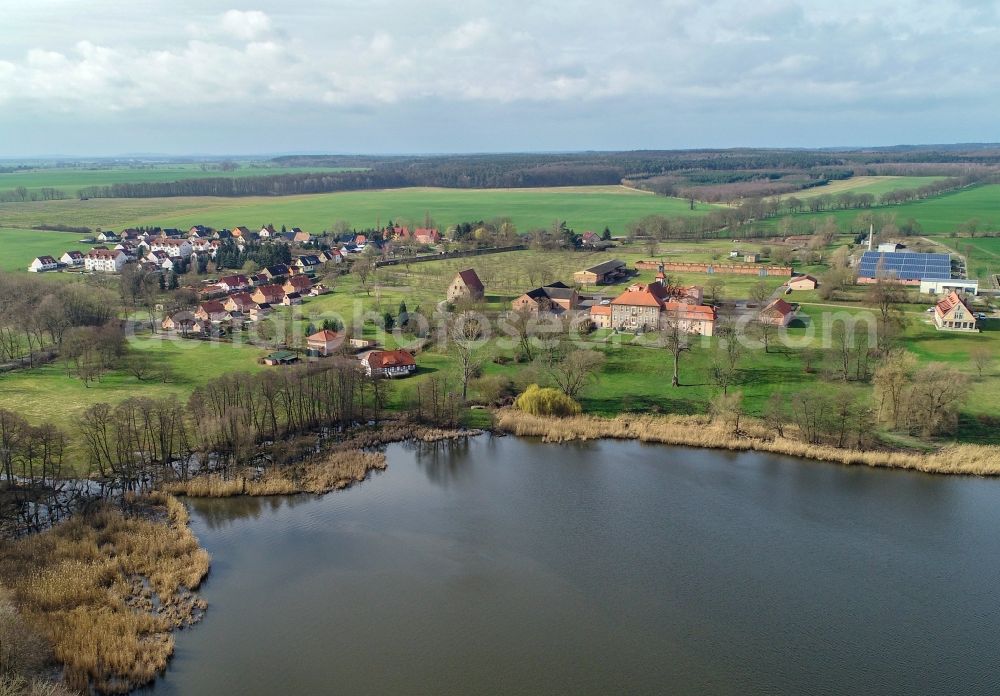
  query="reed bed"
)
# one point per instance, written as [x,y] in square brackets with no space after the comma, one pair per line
[337,470]
[106,589]
[700,431]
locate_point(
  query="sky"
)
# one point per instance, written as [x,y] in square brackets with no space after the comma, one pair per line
[102,77]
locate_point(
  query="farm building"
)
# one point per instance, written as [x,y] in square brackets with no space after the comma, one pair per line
[952,314]
[601,274]
[777,312]
[931,272]
[803,282]
[280,357]
[466,286]
[556,298]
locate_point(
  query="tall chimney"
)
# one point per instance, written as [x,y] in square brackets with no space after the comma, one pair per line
[871,235]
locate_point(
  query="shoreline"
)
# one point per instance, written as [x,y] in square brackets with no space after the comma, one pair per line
[337,467]
[700,431]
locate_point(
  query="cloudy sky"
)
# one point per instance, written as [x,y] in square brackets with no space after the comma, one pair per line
[92,77]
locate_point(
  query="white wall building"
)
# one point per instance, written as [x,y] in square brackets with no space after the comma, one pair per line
[104,260]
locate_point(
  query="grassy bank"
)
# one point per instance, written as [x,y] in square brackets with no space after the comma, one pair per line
[106,589]
[700,431]
[335,471]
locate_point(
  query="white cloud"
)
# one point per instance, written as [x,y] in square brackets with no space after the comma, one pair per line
[673,56]
[246,25]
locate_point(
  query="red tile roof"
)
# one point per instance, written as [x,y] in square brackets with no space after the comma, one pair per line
[778,306]
[390,358]
[326,336]
[950,302]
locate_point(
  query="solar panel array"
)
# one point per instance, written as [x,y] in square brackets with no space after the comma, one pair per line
[905,265]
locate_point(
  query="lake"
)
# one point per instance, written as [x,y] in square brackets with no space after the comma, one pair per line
[508,566]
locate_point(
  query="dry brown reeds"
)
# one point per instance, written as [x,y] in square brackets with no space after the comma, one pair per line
[700,431]
[106,589]
[336,470]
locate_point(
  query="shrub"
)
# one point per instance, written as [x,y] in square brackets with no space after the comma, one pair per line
[546,401]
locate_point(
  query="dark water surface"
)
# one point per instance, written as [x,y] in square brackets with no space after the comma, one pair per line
[506,566]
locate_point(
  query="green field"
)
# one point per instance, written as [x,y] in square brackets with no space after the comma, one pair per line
[19,247]
[875,185]
[982,255]
[937,215]
[583,208]
[69,180]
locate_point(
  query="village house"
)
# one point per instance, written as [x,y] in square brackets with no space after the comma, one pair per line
[556,298]
[307,262]
[466,286]
[239,232]
[104,261]
[199,231]
[299,284]
[201,245]
[291,298]
[239,302]
[953,314]
[234,283]
[279,270]
[43,263]
[362,343]
[426,235]
[108,236]
[803,282]
[777,312]
[212,310]
[269,294]
[388,363]
[160,259]
[72,258]
[301,237]
[259,310]
[600,316]
[175,248]
[331,256]
[324,342]
[602,274]
[650,307]
[182,322]
[266,232]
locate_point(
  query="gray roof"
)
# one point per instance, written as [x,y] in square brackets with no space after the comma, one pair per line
[606,267]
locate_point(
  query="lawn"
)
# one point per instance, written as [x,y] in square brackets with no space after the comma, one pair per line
[583,208]
[18,247]
[49,393]
[876,185]
[69,180]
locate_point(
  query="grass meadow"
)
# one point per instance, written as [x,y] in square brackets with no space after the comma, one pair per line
[875,185]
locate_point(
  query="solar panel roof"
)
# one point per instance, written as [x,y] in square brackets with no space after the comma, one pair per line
[905,265]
